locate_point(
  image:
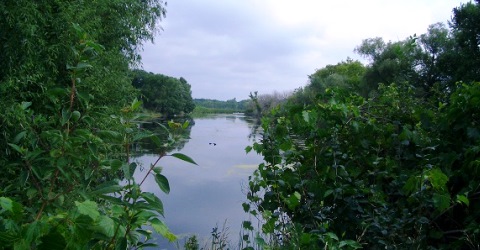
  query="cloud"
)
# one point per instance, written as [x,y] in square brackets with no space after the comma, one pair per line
[227,49]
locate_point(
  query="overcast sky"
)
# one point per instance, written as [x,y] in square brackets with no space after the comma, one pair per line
[228,48]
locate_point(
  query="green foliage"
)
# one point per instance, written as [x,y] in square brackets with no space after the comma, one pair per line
[217,106]
[164,94]
[68,126]
[381,156]
[191,243]
[388,171]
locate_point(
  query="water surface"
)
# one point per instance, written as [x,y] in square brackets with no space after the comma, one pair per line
[205,195]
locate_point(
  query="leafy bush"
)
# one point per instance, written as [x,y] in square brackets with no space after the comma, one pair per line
[388,171]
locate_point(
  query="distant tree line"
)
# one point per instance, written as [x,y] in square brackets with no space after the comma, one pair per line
[164,94]
[218,106]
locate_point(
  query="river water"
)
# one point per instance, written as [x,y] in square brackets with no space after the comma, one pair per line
[211,193]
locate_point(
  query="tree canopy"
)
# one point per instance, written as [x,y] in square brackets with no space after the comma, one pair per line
[164,94]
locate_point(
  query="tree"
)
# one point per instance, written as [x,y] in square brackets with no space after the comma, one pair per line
[392,62]
[397,168]
[164,94]
[435,57]
[466,32]
[68,123]
[348,74]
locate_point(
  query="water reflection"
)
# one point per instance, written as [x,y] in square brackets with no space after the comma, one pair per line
[202,196]
[182,136]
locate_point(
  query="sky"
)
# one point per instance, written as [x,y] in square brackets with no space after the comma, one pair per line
[226,49]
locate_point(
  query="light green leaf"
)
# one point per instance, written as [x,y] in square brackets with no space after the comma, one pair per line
[16,147]
[6,203]
[185,125]
[438,179]
[106,226]
[463,199]
[184,158]
[160,227]
[136,104]
[88,208]
[25,105]
[306,116]
[153,201]
[162,182]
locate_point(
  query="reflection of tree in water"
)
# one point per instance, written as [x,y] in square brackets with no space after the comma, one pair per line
[180,137]
[254,124]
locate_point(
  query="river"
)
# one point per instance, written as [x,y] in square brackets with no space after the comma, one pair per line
[211,193]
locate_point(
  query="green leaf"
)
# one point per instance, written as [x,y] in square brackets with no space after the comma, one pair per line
[185,125]
[106,226]
[160,227]
[351,243]
[155,203]
[305,115]
[260,241]
[293,200]
[248,149]
[25,105]
[121,244]
[19,136]
[247,225]
[7,238]
[76,115]
[463,199]
[83,65]
[128,170]
[441,201]
[184,158]
[107,188]
[412,184]
[65,116]
[136,104]
[331,235]
[162,182]
[246,207]
[88,208]
[16,147]
[438,179]
[156,141]
[6,203]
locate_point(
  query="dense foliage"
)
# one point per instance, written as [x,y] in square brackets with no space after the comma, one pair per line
[379,156]
[68,121]
[164,94]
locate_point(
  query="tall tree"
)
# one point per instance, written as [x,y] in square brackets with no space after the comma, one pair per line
[466,32]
